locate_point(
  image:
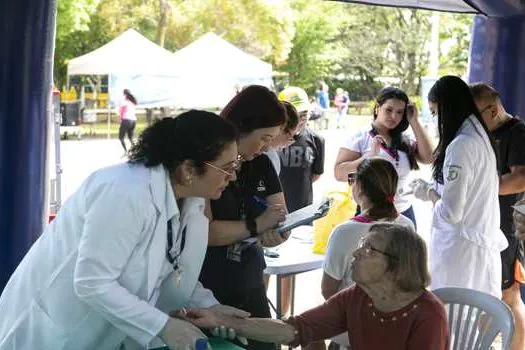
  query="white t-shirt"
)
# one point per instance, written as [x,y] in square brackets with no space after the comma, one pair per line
[341,245]
[361,142]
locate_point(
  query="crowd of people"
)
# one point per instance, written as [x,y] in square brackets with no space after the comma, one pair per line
[168,247]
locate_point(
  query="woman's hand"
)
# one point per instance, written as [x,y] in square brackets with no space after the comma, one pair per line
[272,216]
[377,142]
[421,189]
[270,238]
[412,113]
[214,319]
[179,334]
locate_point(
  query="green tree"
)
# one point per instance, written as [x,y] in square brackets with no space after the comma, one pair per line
[455,34]
[310,58]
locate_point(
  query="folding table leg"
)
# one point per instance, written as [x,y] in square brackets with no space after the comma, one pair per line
[292,299]
[278,301]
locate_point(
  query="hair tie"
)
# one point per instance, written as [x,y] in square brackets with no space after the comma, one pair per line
[390,199]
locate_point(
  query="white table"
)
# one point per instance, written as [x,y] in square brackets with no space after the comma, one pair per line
[295,257]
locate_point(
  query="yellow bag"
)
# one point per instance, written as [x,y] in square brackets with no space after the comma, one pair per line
[342,209]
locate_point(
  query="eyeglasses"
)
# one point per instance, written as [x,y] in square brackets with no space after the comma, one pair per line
[364,244]
[230,172]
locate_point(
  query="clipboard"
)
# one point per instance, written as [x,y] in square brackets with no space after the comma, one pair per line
[304,216]
[299,217]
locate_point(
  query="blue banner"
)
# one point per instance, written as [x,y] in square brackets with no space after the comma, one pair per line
[26,64]
[497,57]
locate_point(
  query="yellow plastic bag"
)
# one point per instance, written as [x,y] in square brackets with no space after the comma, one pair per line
[342,209]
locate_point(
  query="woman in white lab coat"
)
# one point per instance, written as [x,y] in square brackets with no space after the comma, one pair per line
[126,248]
[466,240]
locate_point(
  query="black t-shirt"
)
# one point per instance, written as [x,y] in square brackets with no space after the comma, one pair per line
[510,140]
[299,162]
[234,269]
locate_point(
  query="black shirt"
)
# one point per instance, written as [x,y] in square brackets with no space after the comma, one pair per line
[299,162]
[234,269]
[510,140]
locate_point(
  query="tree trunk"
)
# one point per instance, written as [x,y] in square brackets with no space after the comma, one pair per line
[164,10]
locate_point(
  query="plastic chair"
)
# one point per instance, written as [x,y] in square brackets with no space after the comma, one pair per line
[476,318]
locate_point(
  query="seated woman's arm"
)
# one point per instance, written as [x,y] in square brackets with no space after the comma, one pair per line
[322,322]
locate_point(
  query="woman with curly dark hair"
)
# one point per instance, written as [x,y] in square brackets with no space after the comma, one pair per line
[127,247]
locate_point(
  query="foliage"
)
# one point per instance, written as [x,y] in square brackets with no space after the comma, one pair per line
[310,57]
[455,40]
[357,47]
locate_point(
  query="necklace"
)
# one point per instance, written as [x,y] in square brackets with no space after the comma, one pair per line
[382,319]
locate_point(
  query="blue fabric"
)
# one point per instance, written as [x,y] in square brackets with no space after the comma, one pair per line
[26,48]
[497,57]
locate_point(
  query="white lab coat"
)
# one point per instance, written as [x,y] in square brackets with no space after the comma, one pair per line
[466,239]
[93,277]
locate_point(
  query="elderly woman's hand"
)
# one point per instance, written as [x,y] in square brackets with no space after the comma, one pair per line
[519,221]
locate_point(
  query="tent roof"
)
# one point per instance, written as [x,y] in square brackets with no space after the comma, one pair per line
[129,53]
[212,55]
[488,7]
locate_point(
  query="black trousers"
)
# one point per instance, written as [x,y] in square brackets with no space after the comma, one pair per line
[255,302]
[127,127]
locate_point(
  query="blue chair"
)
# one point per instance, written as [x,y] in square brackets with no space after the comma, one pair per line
[476,318]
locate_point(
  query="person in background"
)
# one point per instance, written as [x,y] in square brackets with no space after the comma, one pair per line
[302,163]
[373,189]
[128,119]
[509,134]
[133,235]
[323,101]
[285,137]
[248,209]
[341,101]
[465,228]
[386,138]
[388,307]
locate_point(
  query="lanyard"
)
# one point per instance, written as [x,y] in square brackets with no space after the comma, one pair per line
[174,260]
[393,152]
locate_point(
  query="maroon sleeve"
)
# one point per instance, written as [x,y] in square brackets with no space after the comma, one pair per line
[431,331]
[325,321]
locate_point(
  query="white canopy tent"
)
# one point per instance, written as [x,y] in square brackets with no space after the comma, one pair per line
[131,61]
[209,70]
[129,53]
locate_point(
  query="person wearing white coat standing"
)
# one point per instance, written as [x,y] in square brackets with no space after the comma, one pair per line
[131,238]
[466,239]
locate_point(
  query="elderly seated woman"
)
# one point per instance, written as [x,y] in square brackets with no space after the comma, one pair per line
[387,307]
[519,221]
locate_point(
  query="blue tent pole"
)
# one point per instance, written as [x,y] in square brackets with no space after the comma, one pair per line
[27,29]
[497,57]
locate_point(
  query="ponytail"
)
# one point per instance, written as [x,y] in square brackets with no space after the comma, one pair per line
[195,135]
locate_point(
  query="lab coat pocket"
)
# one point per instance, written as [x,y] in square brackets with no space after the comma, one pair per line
[35,331]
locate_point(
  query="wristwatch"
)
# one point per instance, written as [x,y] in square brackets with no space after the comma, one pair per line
[251,225]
